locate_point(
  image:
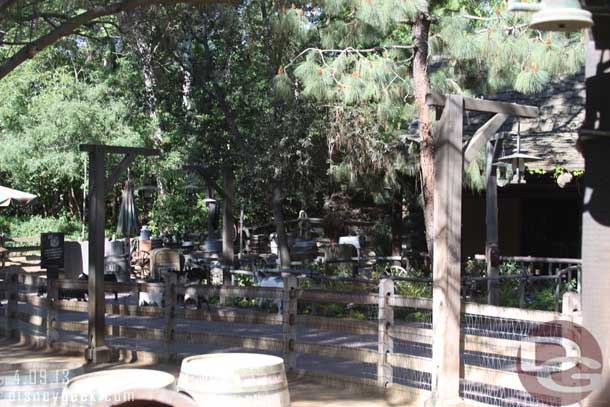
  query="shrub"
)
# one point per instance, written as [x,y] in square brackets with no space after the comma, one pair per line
[33,226]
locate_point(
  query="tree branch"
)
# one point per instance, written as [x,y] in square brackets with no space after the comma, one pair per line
[349,49]
[70,25]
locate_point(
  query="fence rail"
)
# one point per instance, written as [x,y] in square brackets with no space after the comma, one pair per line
[390,346]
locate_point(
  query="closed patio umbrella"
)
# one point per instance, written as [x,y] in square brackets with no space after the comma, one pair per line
[128,224]
[10,196]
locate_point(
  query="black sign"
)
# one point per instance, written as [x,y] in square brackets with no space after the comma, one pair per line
[52,250]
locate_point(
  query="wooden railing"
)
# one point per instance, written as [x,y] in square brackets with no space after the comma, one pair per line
[21,244]
[387,328]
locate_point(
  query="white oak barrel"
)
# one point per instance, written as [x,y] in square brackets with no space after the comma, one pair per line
[149,398]
[235,379]
[36,383]
[113,386]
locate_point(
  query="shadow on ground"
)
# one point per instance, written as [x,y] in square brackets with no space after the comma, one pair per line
[304,391]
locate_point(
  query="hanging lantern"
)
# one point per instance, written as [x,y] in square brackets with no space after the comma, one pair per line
[518,158]
[504,173]
[556,15]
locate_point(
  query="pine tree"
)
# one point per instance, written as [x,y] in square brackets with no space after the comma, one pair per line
[370,65]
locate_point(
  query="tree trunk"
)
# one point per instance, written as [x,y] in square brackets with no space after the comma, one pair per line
[397,226]
[278,217]
[185,54]
[228,251]
[146,51]
[421,31]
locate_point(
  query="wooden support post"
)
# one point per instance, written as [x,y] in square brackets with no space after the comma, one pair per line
[595,214]
[447,255]
[12,284]
[228,252]
[97,351]
[52,297]
[278,215]
[492,254]
[289,321]
[386,343]
[523,285]
[212,208]
[170,295]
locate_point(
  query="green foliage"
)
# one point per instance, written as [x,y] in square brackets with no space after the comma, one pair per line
[45,113]
[178,213]
[33,226]
[500,44]
[5,226]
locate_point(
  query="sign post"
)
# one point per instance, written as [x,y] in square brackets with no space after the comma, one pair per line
[51,259]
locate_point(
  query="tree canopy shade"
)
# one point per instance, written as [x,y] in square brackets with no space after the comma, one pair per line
[324,98]
[32,27]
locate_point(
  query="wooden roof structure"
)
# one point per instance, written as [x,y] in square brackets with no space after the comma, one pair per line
[551,136]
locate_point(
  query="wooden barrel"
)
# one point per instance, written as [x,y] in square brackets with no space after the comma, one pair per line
[149,398]
[36,383]
[235,380]
[93,388]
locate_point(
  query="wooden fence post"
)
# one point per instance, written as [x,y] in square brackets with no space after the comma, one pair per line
[170,294]
[523,285]
[571,311]
[12,283]
[446,299]
[386,321]
[289,321]
[52,296]
[571,307]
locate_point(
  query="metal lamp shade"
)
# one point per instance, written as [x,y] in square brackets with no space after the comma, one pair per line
[561,15]
[518,160]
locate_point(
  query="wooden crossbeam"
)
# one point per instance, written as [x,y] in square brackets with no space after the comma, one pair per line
[118,170]
[487,106]
[482,136]
[89,148]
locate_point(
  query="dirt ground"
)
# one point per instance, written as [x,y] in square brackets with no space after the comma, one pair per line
[304,391]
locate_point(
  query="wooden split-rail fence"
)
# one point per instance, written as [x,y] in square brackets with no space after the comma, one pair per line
[399,357]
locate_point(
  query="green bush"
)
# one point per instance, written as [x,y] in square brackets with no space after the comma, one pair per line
[178,213]
[33,226]
[5,226]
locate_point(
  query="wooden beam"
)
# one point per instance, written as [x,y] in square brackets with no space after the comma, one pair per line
[482,136]
[385,341]
[97,215]
[88,148]
[488,106]
[492,254]
[118,170]
[446,299]
[278,218]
